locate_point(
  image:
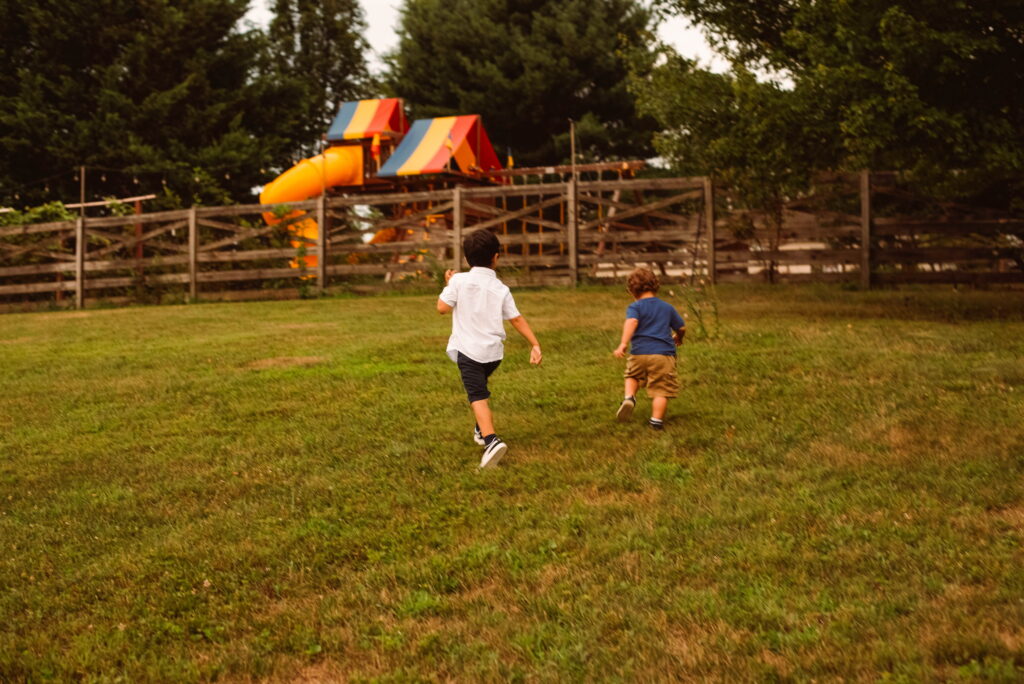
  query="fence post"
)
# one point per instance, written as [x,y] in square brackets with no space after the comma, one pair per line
[709,221]
[80,262]
[573,228]
[321,243]
[865,229]
[193,251]
[457,228]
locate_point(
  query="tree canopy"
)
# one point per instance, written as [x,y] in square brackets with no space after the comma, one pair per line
[923,85]
[182,92]
[319,47]
[527,67]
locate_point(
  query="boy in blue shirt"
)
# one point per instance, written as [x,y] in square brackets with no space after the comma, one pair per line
[655,329]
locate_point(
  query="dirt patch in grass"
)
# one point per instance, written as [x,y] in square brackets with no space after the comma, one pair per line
[1013,516]
[838,454]
[285,362]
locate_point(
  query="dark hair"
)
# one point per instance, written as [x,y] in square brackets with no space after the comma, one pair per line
[480,246]
[642,280]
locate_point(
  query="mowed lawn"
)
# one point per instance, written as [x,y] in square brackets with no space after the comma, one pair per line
[289,490]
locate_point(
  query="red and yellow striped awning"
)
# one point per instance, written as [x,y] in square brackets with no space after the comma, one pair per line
[367,118]
[432,145]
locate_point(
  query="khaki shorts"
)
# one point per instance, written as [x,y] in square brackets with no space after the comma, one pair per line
[656,372]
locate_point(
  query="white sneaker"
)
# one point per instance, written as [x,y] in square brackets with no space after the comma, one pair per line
[625,411]
[477,437]
[493,453]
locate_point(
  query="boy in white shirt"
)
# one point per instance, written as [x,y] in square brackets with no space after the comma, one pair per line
[479,303]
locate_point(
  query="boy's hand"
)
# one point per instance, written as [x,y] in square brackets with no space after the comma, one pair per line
[448,275]
[620,351]
[535,356]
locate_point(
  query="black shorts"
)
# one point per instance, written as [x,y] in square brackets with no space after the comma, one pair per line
[474,376]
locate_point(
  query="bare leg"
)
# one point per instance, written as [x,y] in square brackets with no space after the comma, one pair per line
[632,385]
[482,411]
[658,406]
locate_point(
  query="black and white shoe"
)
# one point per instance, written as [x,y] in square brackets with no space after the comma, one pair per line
[477,437]
[625,411]
[493,453]
[656,426]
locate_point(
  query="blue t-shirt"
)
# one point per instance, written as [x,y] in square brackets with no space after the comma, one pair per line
[658,320]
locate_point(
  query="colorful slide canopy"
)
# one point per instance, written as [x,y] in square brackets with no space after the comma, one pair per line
[430,145]
[367,118]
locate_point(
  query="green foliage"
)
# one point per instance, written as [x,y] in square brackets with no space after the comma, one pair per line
[701,301]
[527,67]
[755,137]
[319,49]
[179,92]
[44,213]
[925,86]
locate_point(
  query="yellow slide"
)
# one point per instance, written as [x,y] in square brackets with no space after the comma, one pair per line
[311,177]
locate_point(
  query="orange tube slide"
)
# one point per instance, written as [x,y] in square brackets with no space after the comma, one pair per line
[309,178]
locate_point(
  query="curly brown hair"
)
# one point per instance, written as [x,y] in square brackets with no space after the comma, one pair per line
[642,280]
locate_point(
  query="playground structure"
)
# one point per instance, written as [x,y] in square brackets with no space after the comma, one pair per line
[373,149]
[388,202]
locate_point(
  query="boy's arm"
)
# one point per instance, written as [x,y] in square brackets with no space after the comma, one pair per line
[678,327]
[628,328]
[523,328]
[444,307]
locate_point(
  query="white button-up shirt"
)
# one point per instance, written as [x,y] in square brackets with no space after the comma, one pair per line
[480,305]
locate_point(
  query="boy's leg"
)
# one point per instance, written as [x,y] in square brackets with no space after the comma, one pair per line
[474,379]
[662,385]
[484,419]
[658,407]
[632,384]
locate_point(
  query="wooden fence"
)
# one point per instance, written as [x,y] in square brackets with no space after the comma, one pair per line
[553,233]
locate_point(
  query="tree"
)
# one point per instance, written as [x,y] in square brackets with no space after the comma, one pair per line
[929,85]
[174,91]
[527,67]
[757,137]
[319,47]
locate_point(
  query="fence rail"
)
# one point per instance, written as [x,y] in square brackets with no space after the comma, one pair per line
[552,234]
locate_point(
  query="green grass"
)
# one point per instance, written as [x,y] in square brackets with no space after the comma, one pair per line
[289,489]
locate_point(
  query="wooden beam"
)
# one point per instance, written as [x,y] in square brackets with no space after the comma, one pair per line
[193,247]
[568,168]
[865,229]
[709,221]
[322,238]
[243,209]
[31,229]
[155,217]
[572,221]
[640,209]
[80,262]
[457,219]
[615,204]
[695,183]
[510,216]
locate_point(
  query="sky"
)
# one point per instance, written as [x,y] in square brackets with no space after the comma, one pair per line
[382,17]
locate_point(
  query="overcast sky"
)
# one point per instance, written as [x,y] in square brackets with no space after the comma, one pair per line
[382,17]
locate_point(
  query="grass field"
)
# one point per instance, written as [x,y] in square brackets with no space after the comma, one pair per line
[289,490]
